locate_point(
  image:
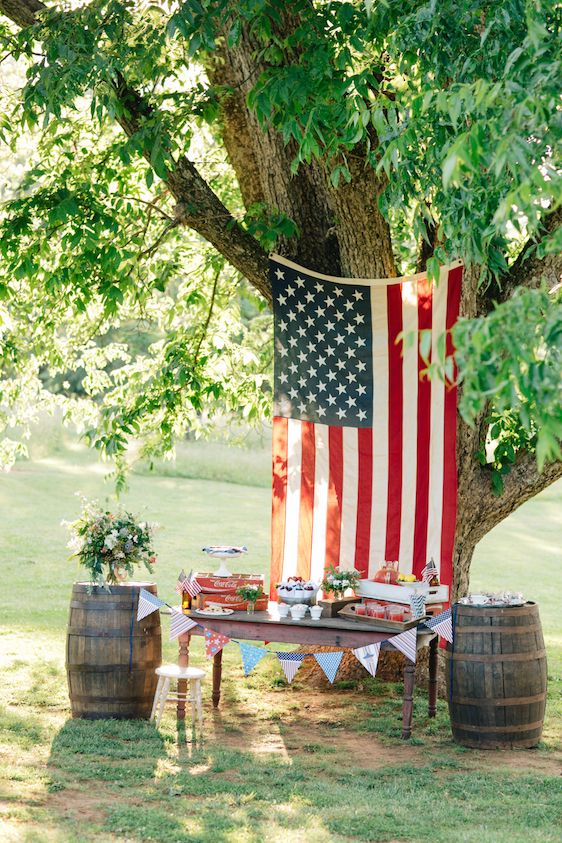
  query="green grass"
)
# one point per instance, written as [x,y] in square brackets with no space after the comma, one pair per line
[279,763]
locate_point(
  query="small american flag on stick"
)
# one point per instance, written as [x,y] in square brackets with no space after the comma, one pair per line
[188,583]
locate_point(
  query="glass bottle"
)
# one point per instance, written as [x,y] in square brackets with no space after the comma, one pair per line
[185,602]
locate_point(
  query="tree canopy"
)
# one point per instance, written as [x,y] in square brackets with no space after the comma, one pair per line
[169,146]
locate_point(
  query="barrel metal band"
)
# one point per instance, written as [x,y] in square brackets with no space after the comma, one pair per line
[91,632]
[111,668]
[522,727]
[115,700]
[469,630]
[478,701]
[486,658]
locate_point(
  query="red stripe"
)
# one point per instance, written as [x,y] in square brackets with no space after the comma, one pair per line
[395,411]
[364,494]
[450,438]
[424,434]
[306,499]
[278,501]
[335,489]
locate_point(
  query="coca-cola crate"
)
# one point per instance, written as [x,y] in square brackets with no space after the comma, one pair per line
[212,584]
[229,601]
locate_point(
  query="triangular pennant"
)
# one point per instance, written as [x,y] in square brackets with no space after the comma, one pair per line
[251,656]
[180,623]
[214,642]
[329,662]
[368,656]
[148,603]
[406,643]
[290,662]
[443,625]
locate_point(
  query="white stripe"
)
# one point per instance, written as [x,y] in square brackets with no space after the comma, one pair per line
[409,424]
[379,505]
[437,430]
[369,282]
[348,526]
[293,504]
[320,517]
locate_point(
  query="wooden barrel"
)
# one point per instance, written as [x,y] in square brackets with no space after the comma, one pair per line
[496,676]
[110,656]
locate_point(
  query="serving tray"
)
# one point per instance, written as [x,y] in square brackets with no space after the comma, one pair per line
[379,623]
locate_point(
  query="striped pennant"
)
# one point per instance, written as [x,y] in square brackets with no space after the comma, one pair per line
[251,656]
[180,623]
[368,656]
[214,642]
[290,662]
[148,603]
[330,663]
[182,577]
[443,625]
[406,643]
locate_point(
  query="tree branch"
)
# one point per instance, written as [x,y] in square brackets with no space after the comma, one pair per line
[198,206]
[522,483]
[528,270]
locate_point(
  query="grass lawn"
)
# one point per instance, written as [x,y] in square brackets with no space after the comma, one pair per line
[278,763]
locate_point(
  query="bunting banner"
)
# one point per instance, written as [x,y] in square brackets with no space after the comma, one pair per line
[368,656]
[251,656]
[290,662]
[179,624]
[148,603]
[406,643]
[214,642]
[443,625]
[330,663]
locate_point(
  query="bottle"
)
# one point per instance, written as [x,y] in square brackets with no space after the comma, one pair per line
[185,601]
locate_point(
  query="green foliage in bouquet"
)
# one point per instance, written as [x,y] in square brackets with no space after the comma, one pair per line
[338,581]
[250,592]
[109,546]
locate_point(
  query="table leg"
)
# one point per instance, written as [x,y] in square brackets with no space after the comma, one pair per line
[183,661]
[217,676]
[433,676]
[408,704]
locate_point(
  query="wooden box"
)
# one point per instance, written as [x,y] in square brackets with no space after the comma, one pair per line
[330,608]
[212,584]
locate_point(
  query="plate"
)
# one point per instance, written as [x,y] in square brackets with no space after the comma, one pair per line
[210,614]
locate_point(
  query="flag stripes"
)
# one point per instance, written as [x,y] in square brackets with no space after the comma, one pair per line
[147,604]
[381,483]
[180,623]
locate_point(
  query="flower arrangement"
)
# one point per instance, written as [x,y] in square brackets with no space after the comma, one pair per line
[109,546]
[251,593]
[337,581]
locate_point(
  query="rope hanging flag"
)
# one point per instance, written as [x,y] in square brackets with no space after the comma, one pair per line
[364,462]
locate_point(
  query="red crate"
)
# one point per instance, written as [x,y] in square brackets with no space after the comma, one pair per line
[212,584]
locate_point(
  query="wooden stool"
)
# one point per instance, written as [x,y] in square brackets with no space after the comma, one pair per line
[165,674]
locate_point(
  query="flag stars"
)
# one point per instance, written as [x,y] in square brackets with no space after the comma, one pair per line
[290,290]
[320,311]
[360,342]
[293,368]
[318,287]
[302,356]
[361,389]
[283,351]
[293,393]
[361,366]
[329,301]
[301,331]
[330,325]
[321,360]
[340,413]
[351,352]
[340,364]
[302,408]
[359,318]
[280,275]
[320,336]
[282,299]
[351,402]
[351,377]
[283,377]
[338,291]
[291,315]
[357,295]
[309,297]
[299,281]
[293,341]
[300,306]
[321,386]
[311,397]
[340,388]
[309,321]
[339,315]
[350,329]
[349,305]
[339,339]
[331,376]
[362,415]
[312,372]
[283,325]
[311,347]
[321,412]
[302,382]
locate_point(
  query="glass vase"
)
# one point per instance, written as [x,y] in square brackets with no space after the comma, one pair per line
[251,607]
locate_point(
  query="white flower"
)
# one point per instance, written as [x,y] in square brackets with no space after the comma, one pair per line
[345,583]
[75,544]
[110,541]
[120,555]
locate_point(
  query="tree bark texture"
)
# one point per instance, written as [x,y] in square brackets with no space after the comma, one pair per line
[340,232]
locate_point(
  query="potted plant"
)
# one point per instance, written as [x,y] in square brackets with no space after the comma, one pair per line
[251,593]
[337,582]
[110,655]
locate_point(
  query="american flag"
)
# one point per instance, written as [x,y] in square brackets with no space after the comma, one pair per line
[188,583]
[364,462]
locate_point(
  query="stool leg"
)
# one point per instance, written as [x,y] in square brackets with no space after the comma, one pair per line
[193,698]
[163,698]
[199,705]
[156,697]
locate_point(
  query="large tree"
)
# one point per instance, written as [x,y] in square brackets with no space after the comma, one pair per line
[362,139]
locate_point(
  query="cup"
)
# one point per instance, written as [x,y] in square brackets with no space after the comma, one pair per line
[417,604]
[297,612]
[361,610]
[316,612]
[283,610]
[396,613]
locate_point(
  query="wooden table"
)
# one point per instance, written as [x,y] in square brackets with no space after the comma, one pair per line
[337,632]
